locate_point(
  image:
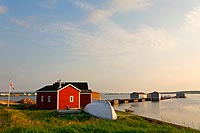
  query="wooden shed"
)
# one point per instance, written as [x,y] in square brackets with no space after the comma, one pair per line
[180,94]
[96,95]
[138,95]
[155,96]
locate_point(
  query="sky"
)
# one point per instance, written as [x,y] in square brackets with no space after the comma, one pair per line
[114,45]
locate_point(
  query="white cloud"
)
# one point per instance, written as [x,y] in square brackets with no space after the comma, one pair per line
[117,6]
[111,7]
[83,5]
[3,9]
[25,22]
[192,20]
[128,5]
[112,39]
[155,38]
[21,23]
[99,15]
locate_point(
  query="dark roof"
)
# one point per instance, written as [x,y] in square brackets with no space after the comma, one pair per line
[86,91]
[138,93]
[83,86]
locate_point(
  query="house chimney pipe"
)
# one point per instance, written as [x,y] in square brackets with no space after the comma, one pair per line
[59,83]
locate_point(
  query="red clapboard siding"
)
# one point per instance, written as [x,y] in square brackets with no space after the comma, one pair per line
[64,98]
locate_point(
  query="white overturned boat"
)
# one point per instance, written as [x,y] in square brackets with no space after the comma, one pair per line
[101,109]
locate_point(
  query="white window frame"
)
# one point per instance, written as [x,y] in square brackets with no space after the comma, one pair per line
[42,99]
[71,99]
[49,99]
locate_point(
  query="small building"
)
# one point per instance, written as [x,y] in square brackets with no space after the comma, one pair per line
[63,95]
[138,95]
[180,94]
[155,96]
[96,95]
[149,95]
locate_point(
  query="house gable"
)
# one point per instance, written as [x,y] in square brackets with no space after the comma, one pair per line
[68,97]
[67,86]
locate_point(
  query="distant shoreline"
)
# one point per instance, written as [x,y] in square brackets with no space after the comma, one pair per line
[170,92]
[4,102]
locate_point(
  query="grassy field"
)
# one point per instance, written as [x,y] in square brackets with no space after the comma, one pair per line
[19,119]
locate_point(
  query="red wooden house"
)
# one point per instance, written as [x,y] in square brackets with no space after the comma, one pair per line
[63,95]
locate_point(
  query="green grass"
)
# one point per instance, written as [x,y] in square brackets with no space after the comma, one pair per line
[21,120]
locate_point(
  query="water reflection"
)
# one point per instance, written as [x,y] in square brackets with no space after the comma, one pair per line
[184,112]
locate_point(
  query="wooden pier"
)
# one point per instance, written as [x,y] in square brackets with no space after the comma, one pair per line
[124,101]
[153,99]
[120,101]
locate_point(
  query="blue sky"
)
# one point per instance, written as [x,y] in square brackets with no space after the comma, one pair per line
[115,45]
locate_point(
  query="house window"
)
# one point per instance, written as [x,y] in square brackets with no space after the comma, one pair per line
[49,99]
[71,99]
[42,98]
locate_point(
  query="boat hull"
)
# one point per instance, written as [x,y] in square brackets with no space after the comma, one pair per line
[101,109]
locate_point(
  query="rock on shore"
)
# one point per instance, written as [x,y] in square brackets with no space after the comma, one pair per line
[27,101]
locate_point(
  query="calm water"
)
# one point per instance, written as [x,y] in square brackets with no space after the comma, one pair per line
[184,111]
[17,98]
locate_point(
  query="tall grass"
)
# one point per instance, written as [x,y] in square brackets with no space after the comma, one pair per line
[33,121]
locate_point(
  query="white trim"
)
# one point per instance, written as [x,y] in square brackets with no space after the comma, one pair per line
[48,99]
[71,99]
[91,97]
[67,86]
[57,100]
[79,101]
[42,99]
